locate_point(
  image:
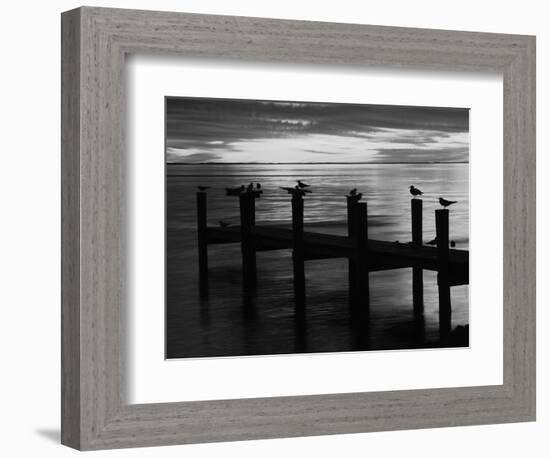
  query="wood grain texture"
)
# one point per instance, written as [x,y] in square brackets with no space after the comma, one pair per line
[96,414]
[70,229]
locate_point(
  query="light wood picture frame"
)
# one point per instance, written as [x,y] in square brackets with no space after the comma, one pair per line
[95,410]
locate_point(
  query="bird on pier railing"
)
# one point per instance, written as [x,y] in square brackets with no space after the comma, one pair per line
[302,185]
[355,196]
[296,191]
[202,188]
[256,193]
[235,191]
[446,203]
[415,191]
[434,242]
[224,224]
[254,190]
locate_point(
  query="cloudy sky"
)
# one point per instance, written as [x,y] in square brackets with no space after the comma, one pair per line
[202,130]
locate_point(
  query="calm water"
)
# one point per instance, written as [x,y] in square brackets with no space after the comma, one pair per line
[226,324]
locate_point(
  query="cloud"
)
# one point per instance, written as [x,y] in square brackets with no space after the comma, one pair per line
[206,130]
[175,155]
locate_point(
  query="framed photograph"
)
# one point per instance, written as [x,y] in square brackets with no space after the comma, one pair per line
[279,228]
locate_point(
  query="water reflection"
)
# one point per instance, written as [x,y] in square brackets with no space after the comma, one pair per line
[236,322]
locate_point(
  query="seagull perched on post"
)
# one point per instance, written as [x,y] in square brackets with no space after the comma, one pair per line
[434,242]
[234,191]
[445,202]
[302,185]
[353,192]
[256,193]
[287,189]
[356,197]
[296,191]
[415,191]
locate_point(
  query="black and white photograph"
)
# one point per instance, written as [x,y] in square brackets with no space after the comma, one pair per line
[308,227]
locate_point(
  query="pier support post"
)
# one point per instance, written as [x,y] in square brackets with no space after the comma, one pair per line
[202,244]
[351,204]
[417,273]
[298,257]
[443,284]
[361,297]
[248,220]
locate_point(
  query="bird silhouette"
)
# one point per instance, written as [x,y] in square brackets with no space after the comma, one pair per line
[256,193]
[296,191]
[224,224]
[434,242]
[203,188]
[234,191]
[302,185]
[357,197]
[415,191]
[445,202]
[250,187]
[287,189]
[258,186]
[353,192]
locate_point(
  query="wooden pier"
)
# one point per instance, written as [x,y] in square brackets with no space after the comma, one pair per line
[364,255]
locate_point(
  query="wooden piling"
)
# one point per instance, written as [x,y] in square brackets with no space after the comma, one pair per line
[417,273]
[298,256]
[202,244]
[361,297]
[442,236]
[351,203]
[248,252]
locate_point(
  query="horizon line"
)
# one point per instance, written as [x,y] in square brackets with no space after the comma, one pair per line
[314,163]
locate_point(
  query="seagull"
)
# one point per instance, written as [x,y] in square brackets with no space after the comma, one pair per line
[250,187]
[415,191]
[224,224]
[353,192]
[256,193]
[300,191]
[357,197]
[296,191]
[258,186]
[446,203]
[289,190]
[234,191]
[302,185]
[203,188]
[434,242]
